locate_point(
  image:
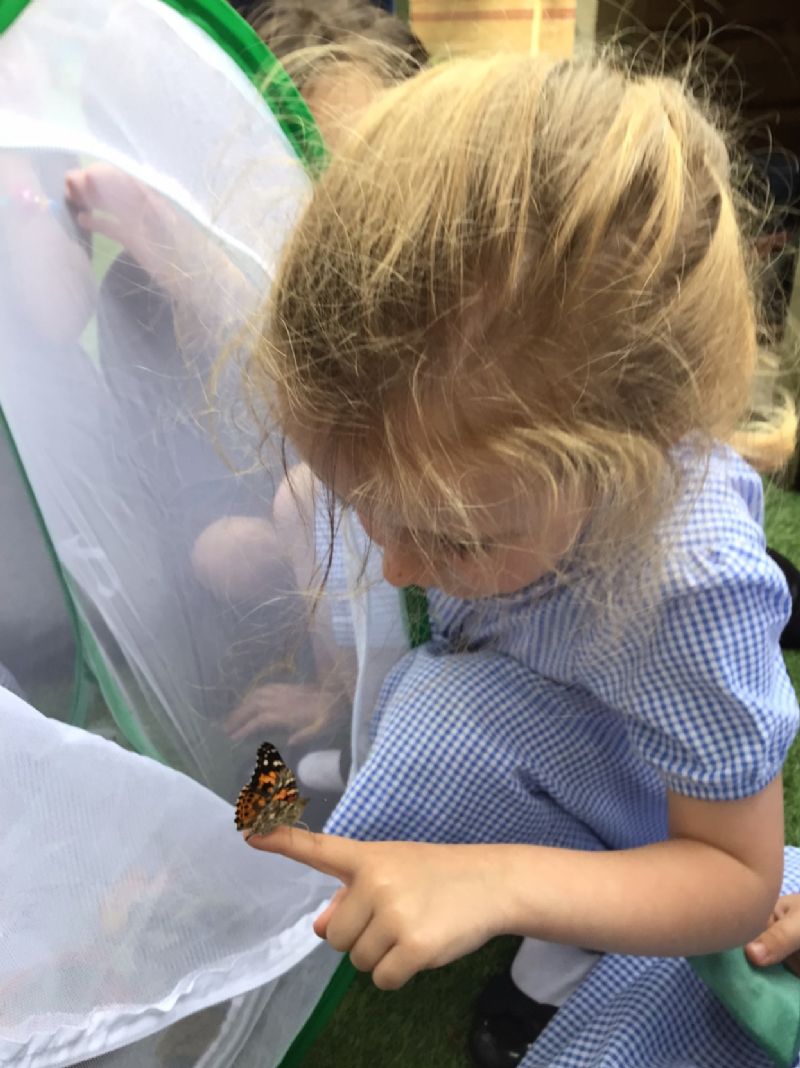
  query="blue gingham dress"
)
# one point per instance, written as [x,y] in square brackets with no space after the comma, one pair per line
[524,719]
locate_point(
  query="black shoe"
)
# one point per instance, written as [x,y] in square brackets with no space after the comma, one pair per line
[790,638]
[504,1023]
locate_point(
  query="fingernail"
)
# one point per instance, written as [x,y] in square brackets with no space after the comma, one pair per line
[757,951]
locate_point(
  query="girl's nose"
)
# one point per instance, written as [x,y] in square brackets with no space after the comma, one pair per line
[403,568]
[402,565]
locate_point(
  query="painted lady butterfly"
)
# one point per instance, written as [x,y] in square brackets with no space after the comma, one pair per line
[270,799]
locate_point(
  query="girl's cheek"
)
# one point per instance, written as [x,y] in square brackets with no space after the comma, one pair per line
[506,572]
[467,577]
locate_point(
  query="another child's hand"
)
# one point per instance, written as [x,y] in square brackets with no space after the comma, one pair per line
[781,940]
[180,256]
[110,202]
[304,708]
[404,906]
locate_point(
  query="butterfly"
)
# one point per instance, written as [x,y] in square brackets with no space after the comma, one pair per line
[270,799]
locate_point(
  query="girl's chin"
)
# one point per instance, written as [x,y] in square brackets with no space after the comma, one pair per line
[468,592]
[503,585]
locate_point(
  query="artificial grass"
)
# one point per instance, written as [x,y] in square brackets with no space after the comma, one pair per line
[783,534]
[425,1024]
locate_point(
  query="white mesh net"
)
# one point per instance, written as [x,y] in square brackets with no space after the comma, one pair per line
[132,901]
[127,901]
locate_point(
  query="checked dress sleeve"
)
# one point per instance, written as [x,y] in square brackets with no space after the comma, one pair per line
[703,689]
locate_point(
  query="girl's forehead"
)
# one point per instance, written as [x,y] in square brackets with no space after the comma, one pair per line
[490,501]
[490,504]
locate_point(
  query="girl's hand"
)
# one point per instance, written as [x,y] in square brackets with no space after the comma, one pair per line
[404,906]
[781,940]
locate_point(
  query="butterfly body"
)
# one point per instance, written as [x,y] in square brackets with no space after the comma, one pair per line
[271,798]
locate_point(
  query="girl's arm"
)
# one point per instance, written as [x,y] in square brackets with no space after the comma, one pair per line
[408,906]
[710,886]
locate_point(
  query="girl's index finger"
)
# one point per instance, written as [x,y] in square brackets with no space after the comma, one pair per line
[328,853]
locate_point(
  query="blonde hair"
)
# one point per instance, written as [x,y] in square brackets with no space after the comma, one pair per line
[530,264]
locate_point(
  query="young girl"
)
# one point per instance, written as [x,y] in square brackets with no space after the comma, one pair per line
[514,331]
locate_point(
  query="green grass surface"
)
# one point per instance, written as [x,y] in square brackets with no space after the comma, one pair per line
[783,534]
[425,1024]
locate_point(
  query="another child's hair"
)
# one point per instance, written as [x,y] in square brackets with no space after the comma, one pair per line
[295,29]
[530,265]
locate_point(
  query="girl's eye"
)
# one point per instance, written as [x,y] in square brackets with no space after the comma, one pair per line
[462,549]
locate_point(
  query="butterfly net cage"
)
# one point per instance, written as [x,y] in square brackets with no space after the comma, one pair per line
[157,564]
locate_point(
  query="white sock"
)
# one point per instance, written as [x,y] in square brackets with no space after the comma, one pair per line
[549,972]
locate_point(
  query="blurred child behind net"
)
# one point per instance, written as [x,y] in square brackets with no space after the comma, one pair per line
[340,54]
[305,34]
[516,332]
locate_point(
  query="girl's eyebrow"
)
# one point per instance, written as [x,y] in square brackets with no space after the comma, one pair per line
[417,532]
[481,539]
